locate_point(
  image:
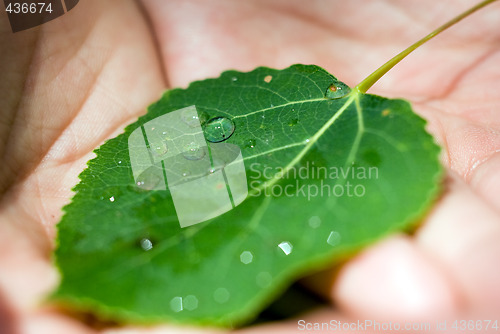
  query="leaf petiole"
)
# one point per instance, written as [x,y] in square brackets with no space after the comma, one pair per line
[370,80]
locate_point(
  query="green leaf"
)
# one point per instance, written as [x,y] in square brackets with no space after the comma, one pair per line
[352,167]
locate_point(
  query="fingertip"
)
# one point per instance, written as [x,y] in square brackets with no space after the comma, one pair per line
[394,280]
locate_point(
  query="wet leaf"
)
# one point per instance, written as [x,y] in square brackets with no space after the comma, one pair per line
[328,170]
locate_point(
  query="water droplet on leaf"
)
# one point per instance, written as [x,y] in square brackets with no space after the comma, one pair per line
[333,238]
[190,303]
[148,180]
[218,129]
[246,257]
[293,122]
[193,151]
[286,247]
[176,304]
[337,90]
[190,119]
[160,149]
[146,244]
[111,194]
[314,221]
[250,143]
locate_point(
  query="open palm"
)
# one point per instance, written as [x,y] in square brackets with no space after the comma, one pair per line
[78,80]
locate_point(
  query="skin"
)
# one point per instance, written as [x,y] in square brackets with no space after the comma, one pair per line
[74,82]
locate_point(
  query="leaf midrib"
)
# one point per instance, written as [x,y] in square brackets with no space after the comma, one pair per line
[354,95]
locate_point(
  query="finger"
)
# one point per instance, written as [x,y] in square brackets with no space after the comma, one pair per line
[8,319]
[26,275]
[462,233]
[50,323]
[394,280]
